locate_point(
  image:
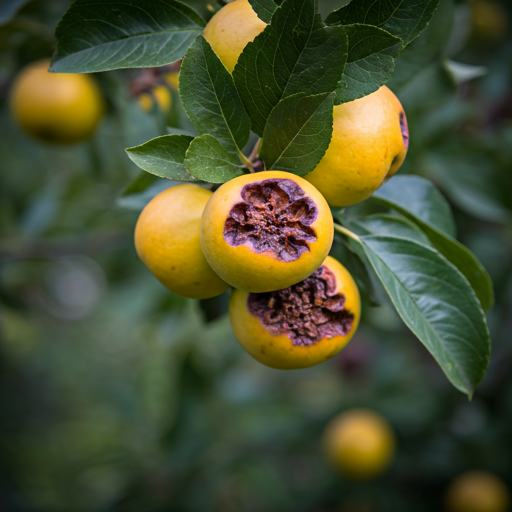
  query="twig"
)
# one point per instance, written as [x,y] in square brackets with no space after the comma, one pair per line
[255,149]
[346,232]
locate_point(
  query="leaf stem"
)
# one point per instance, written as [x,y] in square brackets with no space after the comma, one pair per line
[247,162]
[346,232]
[255,150]
[253,163]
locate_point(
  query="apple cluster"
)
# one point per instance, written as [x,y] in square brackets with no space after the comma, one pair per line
[268,234]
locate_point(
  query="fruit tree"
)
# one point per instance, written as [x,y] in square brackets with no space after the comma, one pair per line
[312,91]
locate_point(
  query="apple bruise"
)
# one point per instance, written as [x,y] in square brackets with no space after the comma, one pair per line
[404,129]
[275,216]
[307,312]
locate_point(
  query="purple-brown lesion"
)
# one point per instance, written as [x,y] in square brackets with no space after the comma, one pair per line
[307,312]
[275,216]
[404,129]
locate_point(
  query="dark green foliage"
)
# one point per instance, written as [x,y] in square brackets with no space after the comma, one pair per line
[298,133]
[403,18]
[283,87]
[370,62]
[418,199]
[113,35]
[163,156]
[437,303]
[295,54]
[208,160]
[264,9]
[210,98]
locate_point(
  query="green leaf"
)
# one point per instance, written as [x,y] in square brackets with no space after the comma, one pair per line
[467,263]
[383,225]
[298,133]
[421,202]
[365,40]
[208,160]
[210,98]
[171,130]
[294,54]
[419,198]
[387,225]
[264,9]
[163,157]
[354,259]
[405,19]
[370,62]
[437,303]
[426,48]
[98,36]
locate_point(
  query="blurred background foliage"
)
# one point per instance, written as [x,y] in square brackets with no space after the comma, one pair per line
[116,395]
